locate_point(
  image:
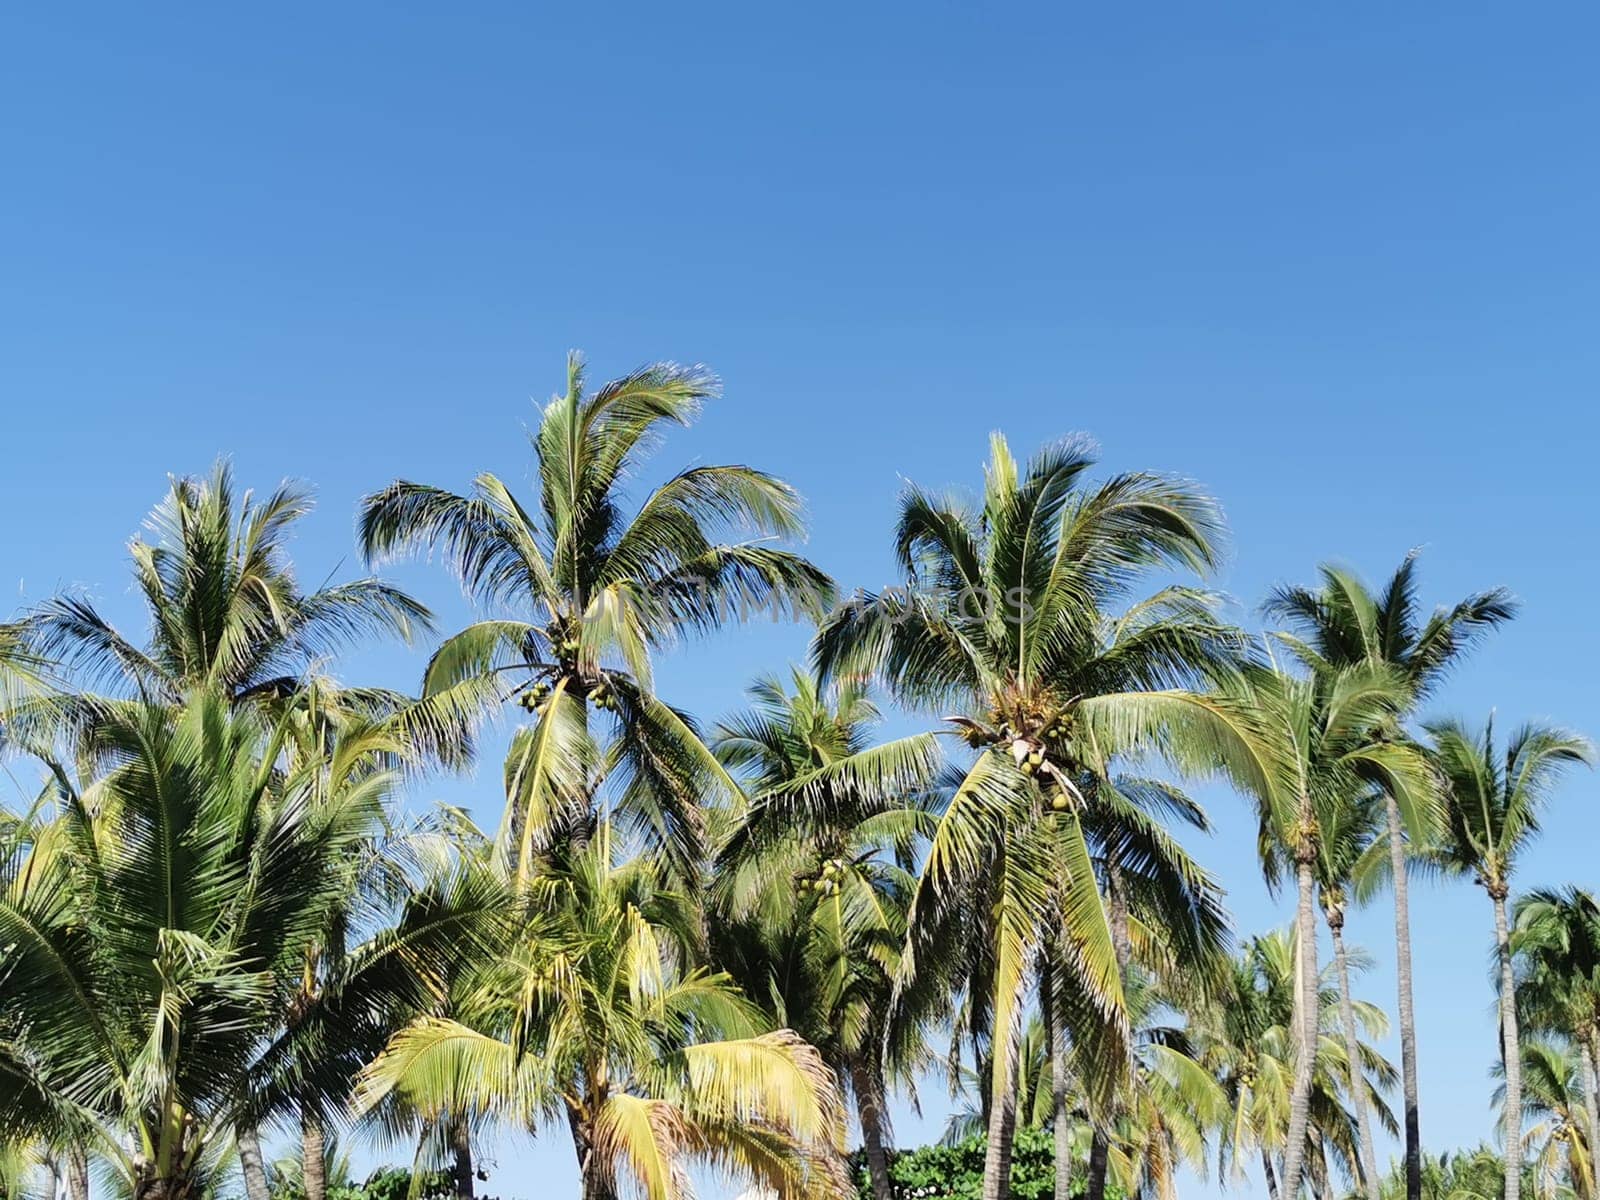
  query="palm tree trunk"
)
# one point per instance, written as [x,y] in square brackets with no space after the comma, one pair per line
[1408,1015]
[1099,1161]
[1002,1126]
[1294,1150]
[251,1164]
[1510,1046]
[313,1156]
[593,1174]
[1055,1048]
[1122,946]
[461,1157]
[868,1087]
[1060,1118]
[1352,1049]
[77,1166]
[596,1184]
[1590,1049]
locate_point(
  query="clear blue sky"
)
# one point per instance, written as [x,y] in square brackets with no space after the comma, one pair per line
[1338,263]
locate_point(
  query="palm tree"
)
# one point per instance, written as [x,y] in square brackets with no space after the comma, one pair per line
[1173,1102]
[224,607]
[1345,623]
[1347,838]
[176,856]
[446,1140]
[1474,1174]
[597,1015]
[1007,616]
[814,878]
[1326,726]
[1552,1099]
[593,593]
[357,981]
[1555,942]
[1493,801]
[1035,1101]
[146,927]
[1164,903]
[1246,1037]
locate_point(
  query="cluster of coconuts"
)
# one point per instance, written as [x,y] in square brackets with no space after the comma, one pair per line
[563,635]
[535,696]
[1031,759]
[827,881]
[603,698]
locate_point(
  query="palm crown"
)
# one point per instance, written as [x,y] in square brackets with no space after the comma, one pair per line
[1008,615]
[225,609]
[597,1013]
[815,876]
[1496,795]
[593,593]
[148,929]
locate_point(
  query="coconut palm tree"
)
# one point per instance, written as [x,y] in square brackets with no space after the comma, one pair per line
[590,593]
[354,983]
[445,1141]
[1173,1103]
[813,880]
[1168,923]
[1347,840]
[1008,616]
[1555,942]
[1035,1102]
[1473,1174]
[227,617]
[147,925]
[1344,623]
[176,856]
[598,1017]
[1326,724]
[1557,1139]
[1246,1037]
[224,609]
[1494,797]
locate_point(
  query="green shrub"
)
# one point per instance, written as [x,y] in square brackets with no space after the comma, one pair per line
[956,1172]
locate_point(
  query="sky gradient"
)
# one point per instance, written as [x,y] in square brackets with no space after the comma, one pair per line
[1339,264]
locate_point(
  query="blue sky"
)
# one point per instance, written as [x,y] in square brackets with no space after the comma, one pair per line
[1338,263]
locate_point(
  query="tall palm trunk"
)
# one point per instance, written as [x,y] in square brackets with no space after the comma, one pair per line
[1294,1150]
[1589,1047]
[77,1166]
[1510,1046]
[151,1187]
[313,1155]
[1002,1126]
[1099,1163]
[1122,945]
[867,1084]
[1352,1049]
[461,1157]
[251,1164]
[1408,1014]
[594,1175]
[1062,1119]
[1055,1042]
[597,1184]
